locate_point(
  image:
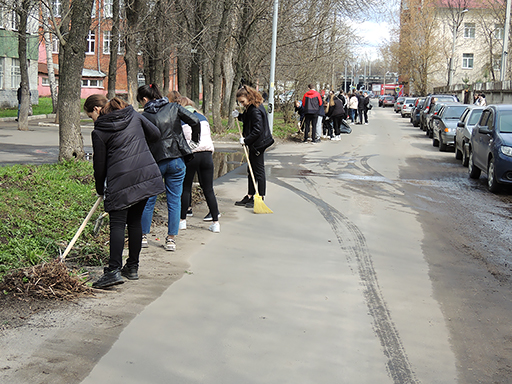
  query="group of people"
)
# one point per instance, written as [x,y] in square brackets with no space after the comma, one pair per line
[138,156]
[324,117]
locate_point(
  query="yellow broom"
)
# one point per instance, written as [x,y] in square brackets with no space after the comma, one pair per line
[259,205]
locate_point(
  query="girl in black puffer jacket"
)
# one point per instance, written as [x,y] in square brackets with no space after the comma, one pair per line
[126,174]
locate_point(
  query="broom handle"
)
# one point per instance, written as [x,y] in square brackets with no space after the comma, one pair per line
[80,230]
[247,155]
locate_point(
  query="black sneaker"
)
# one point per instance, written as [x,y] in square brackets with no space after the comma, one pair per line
[250,203]
[131,273]
[209,217]
[108,279]
[244,201]
[190,213]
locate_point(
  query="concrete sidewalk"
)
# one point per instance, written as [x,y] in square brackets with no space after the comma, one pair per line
[330,288]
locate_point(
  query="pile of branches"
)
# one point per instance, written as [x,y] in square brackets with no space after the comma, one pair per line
[52,280]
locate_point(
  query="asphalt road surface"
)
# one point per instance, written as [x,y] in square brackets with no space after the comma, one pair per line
[382,263]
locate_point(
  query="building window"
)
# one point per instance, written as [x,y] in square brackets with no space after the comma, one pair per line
[1,72]
[141,80]
[90,83]
[467,60]
[91,42]
[57,8]
[55,44]
[15,73]
[93,13]
[107,10]
[469,30]
[499,32]
[107,39]
[45,81]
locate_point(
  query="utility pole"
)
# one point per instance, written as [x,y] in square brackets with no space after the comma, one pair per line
[504,53]
[272,68]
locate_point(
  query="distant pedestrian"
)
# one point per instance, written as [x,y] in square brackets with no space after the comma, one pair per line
[126,182]
[353,104]
[336,113]
[300,111]
[365,102]
[311,103]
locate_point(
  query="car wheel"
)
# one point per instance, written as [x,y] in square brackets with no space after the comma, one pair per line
[430,133]
[442,145]
[492,183]
[474,171]
[458,153]
[435,142]
[465,157]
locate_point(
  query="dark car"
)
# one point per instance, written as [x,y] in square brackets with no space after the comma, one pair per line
[444,125]
[429,103]
[398,104]
[381,98]
[434,110]
[415,114]
[463,133]
[388,101]
[491,146]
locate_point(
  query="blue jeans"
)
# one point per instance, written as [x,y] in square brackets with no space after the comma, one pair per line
[173,172]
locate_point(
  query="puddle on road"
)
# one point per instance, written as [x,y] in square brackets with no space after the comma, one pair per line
[226,161]
[349,176]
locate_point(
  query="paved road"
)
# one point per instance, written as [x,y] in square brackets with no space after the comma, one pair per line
[331,288]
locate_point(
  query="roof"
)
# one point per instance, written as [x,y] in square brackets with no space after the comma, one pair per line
[43,68]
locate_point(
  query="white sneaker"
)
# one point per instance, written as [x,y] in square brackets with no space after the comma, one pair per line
[215,227]
[365,123]
[144,241]
[170,245]
[338,137]
[183,224]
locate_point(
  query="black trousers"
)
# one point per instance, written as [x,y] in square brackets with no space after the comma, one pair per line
[310,120]
[202,164]
[363,113]
[258,167]
[336,121]
[119,220]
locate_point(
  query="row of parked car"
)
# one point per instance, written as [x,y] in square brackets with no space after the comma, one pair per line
[480,136]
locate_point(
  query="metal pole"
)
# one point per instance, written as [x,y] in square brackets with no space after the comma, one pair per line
[504,53]
[272,68]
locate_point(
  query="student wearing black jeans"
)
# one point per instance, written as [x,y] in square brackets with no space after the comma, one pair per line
[202,164]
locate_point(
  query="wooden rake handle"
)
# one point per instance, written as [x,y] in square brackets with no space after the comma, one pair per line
[80,230]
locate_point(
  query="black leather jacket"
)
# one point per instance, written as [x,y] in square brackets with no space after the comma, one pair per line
[256,130]
[167,117]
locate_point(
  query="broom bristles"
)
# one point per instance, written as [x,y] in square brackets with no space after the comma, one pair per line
[259,205]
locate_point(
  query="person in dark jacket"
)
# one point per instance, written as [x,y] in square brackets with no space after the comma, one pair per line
[336,113]
[300,110]
[312,101]
[364,111]
[126,175]
[171,153]
[257,137]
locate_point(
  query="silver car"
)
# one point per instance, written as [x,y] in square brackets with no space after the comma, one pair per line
[444,125]
[407,106]
[467,121]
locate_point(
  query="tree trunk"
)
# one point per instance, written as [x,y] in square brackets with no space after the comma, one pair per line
[229,76]
[114,46]
[48,41]
[182,76]
[194,79]
[72,53]
[207,88]
[22,14]
[167,80]
[133,10]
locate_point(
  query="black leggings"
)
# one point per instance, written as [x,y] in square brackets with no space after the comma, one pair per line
[202,163]
[128,217]
[258,167]
[336,121]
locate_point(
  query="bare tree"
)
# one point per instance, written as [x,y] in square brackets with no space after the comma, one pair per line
[73,31]
[114,48]
[48,42]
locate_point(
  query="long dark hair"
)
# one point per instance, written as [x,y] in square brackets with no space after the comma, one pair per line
[149,91]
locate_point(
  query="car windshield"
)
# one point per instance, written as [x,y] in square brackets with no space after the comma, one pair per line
[446,98]
[454,112]
[505,121]
[475,116]
[409,101]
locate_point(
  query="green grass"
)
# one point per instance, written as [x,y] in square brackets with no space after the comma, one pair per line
[43,108]
[41,208]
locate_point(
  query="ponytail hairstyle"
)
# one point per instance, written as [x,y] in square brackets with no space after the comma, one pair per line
[112,105]
[151,92]
[252,95]
[174,96]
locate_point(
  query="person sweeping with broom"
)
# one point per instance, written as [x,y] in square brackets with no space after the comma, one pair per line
[256,137]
